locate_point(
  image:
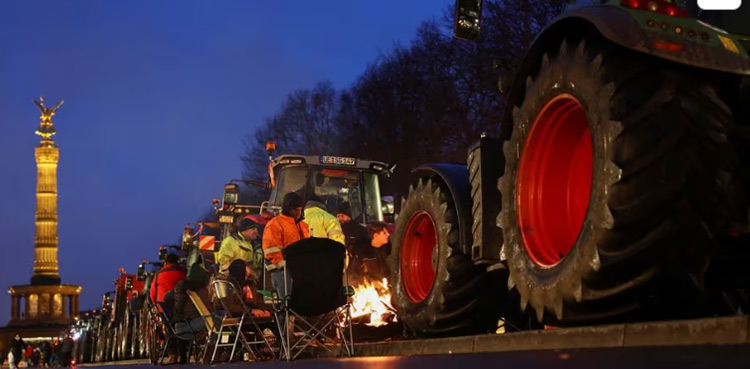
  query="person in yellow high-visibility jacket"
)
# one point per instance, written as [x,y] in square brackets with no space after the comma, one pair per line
[240,245]
[322,224]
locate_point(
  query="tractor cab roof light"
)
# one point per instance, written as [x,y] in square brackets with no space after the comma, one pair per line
[657,6]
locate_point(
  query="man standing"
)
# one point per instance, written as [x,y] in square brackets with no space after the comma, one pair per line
[280,232]
[322,224]
[16,348]
[66,350]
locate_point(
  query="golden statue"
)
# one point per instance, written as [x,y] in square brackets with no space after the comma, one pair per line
[46,129]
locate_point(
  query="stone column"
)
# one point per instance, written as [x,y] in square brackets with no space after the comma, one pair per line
[26,306]
[76,310]
[13,310]
[63,305]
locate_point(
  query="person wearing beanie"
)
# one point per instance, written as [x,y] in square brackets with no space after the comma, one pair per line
[280,232]
[344,213]
[240,245]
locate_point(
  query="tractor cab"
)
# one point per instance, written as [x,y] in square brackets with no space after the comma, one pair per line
[335,180]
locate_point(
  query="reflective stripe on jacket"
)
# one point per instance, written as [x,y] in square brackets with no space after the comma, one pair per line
[279,233]
[323,224]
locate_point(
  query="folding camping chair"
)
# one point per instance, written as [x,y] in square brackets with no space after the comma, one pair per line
[185,334]
[316,266]
[238,319]
[208,320]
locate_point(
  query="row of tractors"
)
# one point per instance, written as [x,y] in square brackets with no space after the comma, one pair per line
[617,190]
[126,326]
[123,326]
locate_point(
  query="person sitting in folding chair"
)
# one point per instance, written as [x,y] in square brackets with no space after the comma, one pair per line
[241,244]
[164,282]
[186,320]
[244,278]
[316,265]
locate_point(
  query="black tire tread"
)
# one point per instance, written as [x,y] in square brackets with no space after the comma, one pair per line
[674,189]
[458,302]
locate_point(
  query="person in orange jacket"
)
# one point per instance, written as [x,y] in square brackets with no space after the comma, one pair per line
[280,232]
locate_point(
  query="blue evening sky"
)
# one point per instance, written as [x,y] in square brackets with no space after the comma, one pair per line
[158,98]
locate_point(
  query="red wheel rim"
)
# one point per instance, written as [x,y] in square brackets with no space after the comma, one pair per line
[418,256]
[554,180]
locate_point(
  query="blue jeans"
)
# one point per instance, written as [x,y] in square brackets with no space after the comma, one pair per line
[277,280]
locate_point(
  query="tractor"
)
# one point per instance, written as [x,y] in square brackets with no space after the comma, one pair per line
[617,190]
[335,179]
[123,328]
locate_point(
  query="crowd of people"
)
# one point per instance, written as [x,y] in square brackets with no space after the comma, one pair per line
[46,354]
[254,247]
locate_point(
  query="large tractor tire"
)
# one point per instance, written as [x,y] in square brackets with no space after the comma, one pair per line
[618,176]
[154,342]
[101,340]
[437,290]
[135,341]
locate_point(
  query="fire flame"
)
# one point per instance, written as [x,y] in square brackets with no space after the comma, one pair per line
[373,298]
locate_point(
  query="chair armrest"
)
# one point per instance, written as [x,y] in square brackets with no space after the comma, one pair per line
[265,293]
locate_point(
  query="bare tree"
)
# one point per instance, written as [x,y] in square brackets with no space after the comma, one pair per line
[425,102]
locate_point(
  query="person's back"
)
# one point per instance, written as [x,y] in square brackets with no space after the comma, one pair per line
[166,278]
[322,224]
[280,232]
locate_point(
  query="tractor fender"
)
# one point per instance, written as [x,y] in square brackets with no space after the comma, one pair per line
[620,27]
[455,177]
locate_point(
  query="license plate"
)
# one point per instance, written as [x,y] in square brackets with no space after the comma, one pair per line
[338,160]
[227,219]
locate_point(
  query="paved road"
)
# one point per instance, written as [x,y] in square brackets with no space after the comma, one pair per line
[609,358]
